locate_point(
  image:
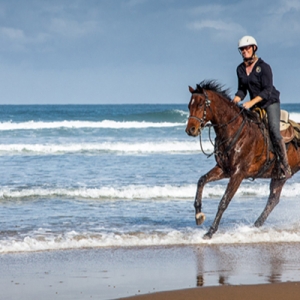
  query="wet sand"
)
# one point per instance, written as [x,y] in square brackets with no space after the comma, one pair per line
[198,272]
[276,291]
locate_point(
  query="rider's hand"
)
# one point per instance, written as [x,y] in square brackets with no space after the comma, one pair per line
[248,105]
[236,99]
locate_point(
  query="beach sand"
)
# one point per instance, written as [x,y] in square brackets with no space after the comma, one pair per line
[260,271]
[276,291]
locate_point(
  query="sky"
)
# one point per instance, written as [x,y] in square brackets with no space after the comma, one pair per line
[139,51]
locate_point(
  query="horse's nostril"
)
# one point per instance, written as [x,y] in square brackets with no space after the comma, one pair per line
[190,130]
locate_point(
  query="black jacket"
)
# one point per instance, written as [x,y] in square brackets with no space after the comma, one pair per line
[258,83]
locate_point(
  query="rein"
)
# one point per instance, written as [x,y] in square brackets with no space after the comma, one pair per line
[202,121]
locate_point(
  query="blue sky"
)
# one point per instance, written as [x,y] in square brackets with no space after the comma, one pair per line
[139,51]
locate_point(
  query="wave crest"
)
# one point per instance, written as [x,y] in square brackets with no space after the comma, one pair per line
[34,125]
[45,241]
[136,192]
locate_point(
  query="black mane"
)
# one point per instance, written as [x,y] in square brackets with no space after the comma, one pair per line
[213,85]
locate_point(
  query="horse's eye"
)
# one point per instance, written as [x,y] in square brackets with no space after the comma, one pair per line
[200,104]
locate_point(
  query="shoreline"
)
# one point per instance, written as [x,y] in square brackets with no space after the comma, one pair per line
[138,273]
[274,291]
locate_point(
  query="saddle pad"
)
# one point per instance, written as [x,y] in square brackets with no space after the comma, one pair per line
[284,120]
[286,130]
[296,127]
[288,134]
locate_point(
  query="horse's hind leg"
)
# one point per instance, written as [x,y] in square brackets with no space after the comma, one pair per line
[213,175]
[276,186]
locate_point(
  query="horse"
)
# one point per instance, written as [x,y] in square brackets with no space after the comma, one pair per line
[242,149]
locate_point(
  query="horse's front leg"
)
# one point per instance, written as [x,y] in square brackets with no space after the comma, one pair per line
[214,174]
[276,186]
[233,185]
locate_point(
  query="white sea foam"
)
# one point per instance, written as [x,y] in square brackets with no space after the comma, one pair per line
[135,192]
[128,192]
[35,125]
[295,117]
[182,112]
[41,241]
[169,146]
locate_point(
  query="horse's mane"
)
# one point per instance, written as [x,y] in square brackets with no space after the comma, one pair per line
[215,86]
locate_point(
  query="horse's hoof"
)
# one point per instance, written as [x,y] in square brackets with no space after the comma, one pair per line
[207,236]
[258,223]
[200,218]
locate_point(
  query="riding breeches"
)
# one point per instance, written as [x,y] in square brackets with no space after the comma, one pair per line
[273,112]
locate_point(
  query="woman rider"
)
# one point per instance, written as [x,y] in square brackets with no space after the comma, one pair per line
[255,76]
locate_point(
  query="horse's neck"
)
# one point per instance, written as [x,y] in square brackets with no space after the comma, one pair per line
[226,118]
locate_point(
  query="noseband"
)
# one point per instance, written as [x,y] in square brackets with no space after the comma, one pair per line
[207,104]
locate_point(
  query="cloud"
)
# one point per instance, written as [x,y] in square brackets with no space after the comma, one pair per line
[73,29]
[272,22]
[12,34]
[212,10]
[217,25]
[286,6]
[12,39]
[136,2]
[224,30]
[216,21]
[281,25]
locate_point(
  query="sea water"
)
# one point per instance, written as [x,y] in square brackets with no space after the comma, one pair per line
[79,176]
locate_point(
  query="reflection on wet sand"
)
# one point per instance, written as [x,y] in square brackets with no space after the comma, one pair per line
[247,264]
[114,273]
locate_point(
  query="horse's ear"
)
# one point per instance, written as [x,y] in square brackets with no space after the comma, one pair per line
[191,89]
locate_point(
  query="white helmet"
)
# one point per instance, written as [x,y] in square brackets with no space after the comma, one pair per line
[247,41]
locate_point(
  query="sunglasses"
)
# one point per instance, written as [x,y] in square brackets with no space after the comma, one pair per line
[245,48]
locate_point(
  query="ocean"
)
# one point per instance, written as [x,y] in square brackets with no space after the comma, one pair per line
[95,176]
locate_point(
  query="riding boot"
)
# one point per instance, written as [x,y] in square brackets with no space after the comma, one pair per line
[286,169]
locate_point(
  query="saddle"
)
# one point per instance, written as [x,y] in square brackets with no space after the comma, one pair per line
[289,129]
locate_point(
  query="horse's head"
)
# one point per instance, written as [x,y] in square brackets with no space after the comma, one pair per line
[198,107]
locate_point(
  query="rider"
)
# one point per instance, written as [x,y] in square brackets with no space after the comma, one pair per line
[255,76]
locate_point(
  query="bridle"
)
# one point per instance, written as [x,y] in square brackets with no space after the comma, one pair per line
[202,122]
[207,104]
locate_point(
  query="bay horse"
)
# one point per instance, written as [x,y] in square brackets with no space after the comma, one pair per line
[242,149]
